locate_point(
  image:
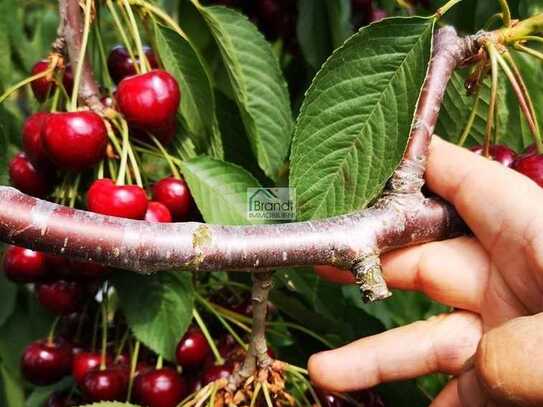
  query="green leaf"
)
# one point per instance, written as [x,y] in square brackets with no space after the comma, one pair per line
[158,307]
[355,120]
[197,106]
[13,391]
[219,189]
[8,295]
[257,85]
[322,26]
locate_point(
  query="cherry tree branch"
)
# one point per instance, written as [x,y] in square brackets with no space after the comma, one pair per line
[401,217]
[72,23]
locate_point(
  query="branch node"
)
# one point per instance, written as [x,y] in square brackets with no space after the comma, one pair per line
[369,276]
[408,178]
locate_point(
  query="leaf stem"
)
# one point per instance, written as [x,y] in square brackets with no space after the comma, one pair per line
[506,13]
[82,52]
[440,12]
[162,15]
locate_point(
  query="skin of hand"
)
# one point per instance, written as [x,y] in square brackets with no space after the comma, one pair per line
[491,344]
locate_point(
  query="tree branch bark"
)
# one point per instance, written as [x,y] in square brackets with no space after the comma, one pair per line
[402,217]
[72,24]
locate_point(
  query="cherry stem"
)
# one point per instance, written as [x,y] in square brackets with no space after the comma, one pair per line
[122,343]
[119,26]
[82,52]
[159,362]
[24,82]
[144,63]
[471,118]
[72,193]
[101,51]
[56,97]
[133,366]
[506,13]
[166,156]
[162,15]
[223,322]
[51,335]
[97,319]
[493,96]
[124,154]
[218,358]
[103,307]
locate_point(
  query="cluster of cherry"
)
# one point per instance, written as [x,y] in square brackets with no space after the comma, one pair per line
[529,162]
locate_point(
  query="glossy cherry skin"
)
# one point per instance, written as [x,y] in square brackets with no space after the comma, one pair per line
[120,65]
[105,385]
[84,362]
[127,201]
[28,178]
[498,152]
[531,165]
[46,363]
[60,297]
[217,372]
[193,349]
[150,100]
[43,87]
[32,143]
[175,195]
[157,212]
[160,388]
[75,140]
[24,265]
[329,400]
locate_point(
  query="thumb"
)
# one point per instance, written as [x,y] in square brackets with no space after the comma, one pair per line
[509,362]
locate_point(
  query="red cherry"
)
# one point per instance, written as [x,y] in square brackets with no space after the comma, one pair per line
[75,140]
[175,195]
[32,138]
[498,152]
[157,212]
[28,178]
[43,87]
[216,372]
[329,399]
[531,165]
[68,79]
[45,362]
[62,399]
[84,362]
[160,388]
[23,265]
[149,100]
[120,65]
[105,385]
[193,349]
[128,201]
[60,297]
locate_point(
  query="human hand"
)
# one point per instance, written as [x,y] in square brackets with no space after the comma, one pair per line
[491,344]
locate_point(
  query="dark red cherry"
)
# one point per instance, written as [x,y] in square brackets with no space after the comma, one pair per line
[28,178]
[62,399]
[175,195]
[498,152]
[160,388]
[120,65]
[45,362]
[157,212]
[193,349]
[60,297]
[32,143]
[127,201]
[327,399]
[216,372]
[84,362]
[150,100]
[68,79]
[75,140]
[24,266]
[105,385]
[43,87]
[530,165]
